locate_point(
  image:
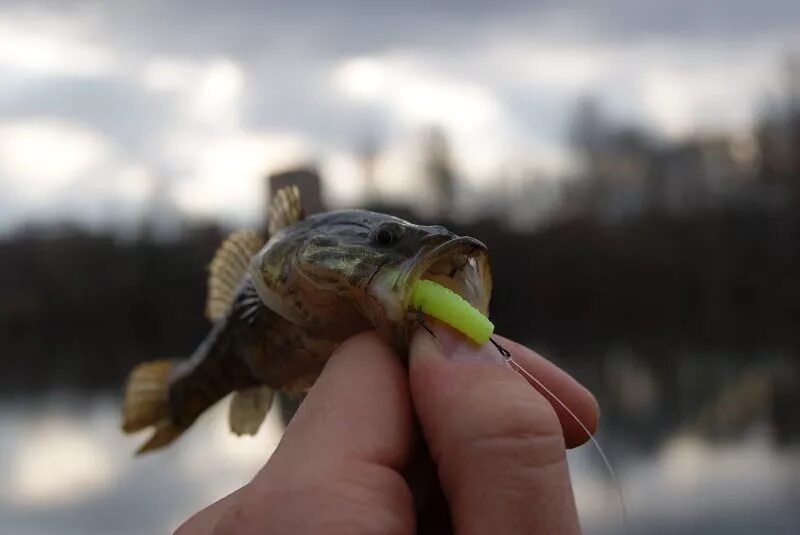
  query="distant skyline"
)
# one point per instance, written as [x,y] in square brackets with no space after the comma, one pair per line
[104,104]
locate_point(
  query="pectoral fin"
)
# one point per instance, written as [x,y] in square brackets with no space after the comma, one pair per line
[249,408]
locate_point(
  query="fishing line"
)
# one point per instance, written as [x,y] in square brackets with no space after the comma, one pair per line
[525,373]
[503,351]
[514,365]
[425,325]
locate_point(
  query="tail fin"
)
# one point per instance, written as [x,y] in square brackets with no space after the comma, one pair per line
[147,404]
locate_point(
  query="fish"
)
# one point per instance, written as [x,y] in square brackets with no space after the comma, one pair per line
[280,305]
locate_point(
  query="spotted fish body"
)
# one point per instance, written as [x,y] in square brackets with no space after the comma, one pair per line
[279,310]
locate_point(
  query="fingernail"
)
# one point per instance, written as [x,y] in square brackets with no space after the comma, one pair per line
[458,348]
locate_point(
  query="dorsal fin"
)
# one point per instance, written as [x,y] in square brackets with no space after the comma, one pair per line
[285,210]
[227,269]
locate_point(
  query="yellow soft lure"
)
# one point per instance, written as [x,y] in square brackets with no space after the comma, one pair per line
[447,306]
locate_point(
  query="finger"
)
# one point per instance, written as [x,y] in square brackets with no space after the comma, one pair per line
[497,443]
[337,466]
[571,393]
[358,410]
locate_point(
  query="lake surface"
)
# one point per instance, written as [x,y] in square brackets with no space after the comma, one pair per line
[699,446]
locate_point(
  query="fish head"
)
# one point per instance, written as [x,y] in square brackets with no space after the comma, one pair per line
[340,273]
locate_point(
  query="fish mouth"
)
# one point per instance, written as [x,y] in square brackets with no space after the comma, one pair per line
[460,264]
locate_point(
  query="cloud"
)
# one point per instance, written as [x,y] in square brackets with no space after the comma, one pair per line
[44,156]
[209,91]
[227,171]
[351,27]
[189,94]
[414,97]
[37,42]
[115,106]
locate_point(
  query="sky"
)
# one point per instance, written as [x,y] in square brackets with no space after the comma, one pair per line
[111,112]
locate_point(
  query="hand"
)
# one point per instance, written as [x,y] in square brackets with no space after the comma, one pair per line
[351,461]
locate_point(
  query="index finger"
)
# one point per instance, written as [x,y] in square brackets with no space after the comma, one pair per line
[358,410]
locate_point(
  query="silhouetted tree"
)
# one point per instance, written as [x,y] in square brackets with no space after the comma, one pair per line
[367,151]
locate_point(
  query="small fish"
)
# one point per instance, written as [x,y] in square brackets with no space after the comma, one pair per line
[279,310]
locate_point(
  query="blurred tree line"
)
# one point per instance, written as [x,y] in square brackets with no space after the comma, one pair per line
[79,309]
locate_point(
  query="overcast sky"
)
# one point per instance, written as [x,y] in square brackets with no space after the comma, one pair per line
[104,103]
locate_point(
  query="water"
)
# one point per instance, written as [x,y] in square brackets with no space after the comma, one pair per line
[68,469]
[712,453]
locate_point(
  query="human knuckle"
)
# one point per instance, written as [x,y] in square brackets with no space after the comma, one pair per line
[238,519]
[523,429]
[377,499]
[368,523]
[358,500]
[501,407]
[519,450]
[183,529]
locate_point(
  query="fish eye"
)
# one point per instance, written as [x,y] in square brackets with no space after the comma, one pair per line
[387,234]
